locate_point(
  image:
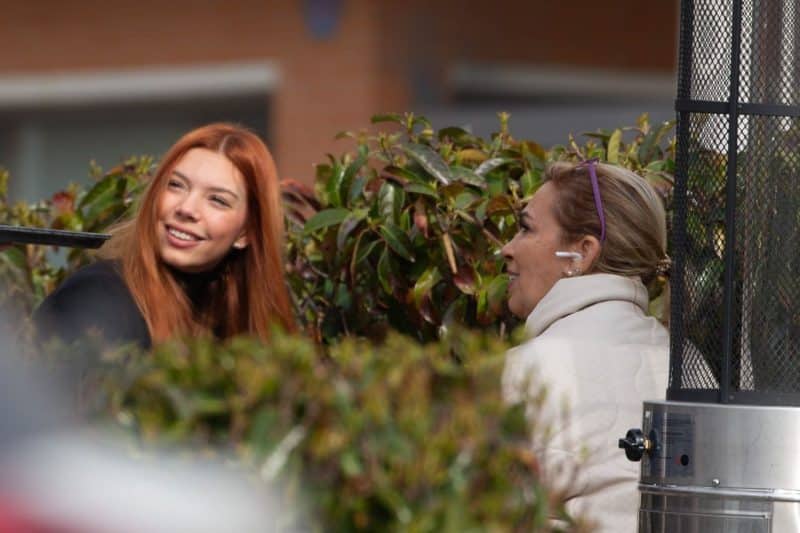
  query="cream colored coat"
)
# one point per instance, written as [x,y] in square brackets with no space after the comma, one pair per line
[597,353]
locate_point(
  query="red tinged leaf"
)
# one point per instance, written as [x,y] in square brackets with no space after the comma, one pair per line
[500,205]
[466,279]
[299,193]
[428,311]
[63,202]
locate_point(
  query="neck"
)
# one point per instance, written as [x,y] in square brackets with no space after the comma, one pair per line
[196,284]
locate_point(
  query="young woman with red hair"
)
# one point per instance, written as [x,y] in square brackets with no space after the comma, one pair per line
[203,255]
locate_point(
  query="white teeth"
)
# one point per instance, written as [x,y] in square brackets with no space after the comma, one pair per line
[181,235]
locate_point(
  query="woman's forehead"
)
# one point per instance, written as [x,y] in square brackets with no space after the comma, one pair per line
[540,205]
[209,169]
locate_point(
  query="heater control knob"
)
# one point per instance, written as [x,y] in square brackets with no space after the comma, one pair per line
[635,444]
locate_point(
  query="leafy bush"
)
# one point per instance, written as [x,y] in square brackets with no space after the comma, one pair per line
[399,436]
[404,232]
[28,273]
[409,225]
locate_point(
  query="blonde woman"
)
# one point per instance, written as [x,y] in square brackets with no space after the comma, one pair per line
[589,240]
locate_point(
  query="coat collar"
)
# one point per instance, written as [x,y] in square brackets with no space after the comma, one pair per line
[570,295]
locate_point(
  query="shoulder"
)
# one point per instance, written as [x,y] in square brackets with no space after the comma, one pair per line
[95,285]
[98,272]
[585,367]
[94,297]
[614,322]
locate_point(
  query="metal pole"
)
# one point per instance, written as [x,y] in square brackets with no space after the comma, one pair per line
[677,325]
[730,312]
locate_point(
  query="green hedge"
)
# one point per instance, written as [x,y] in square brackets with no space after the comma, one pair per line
[397,436]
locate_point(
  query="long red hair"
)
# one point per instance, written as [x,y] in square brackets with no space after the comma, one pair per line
[250,293]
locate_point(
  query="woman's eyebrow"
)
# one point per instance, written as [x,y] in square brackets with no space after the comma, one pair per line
[224,190]
[213,189]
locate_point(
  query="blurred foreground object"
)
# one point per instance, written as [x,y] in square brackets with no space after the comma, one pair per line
[58,477]
[391,437]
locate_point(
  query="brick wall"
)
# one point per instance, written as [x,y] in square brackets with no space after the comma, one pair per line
[381,55]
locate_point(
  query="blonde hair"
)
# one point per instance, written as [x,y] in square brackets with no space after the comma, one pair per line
[636,231]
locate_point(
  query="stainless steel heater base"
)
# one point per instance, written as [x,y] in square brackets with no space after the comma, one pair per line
[714,468]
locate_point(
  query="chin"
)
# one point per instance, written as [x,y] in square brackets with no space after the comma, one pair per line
[182,264]
[515,309]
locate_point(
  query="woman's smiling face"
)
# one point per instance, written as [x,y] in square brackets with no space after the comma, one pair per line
[202,211]
[531,261]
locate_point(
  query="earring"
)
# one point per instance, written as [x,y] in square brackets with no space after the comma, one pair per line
[239,246]
[572,272]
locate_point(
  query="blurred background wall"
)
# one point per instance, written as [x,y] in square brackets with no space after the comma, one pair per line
[85,80]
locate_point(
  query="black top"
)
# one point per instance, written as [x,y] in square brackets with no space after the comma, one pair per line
[94,298]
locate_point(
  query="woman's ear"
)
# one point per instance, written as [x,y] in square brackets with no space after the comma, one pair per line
[241,242]
[589,247]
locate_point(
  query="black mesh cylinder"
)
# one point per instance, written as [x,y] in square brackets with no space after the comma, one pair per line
[735,317]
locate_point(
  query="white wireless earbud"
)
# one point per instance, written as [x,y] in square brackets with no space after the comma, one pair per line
[570,255]
[575,256]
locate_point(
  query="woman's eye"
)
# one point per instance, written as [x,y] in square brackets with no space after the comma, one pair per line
[174,184]
[220,201]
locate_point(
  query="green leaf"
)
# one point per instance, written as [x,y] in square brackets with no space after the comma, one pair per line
[430,160]
[397,241]
[351,171]
[425,284]
[350,222]
[405,174]
[364,251]
[333,186]
[453,133]
[613,146]
[106,206]
[421,188]
[496,294]
[529,182]
[390,201]
[101,188]
[468,177]
[388,117]
[384,271]
[325,218]
[452,190]
[356,189]
[472,154]
[491,164]
[650,148]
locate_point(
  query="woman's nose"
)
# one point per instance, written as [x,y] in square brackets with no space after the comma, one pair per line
[187,208]
[506,251]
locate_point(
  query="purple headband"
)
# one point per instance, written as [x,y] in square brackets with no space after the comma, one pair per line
[598,202]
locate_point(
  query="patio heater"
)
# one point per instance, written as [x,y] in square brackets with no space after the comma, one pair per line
[722,454]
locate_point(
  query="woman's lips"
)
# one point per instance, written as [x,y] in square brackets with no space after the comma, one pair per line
[512,279]
[180,238]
